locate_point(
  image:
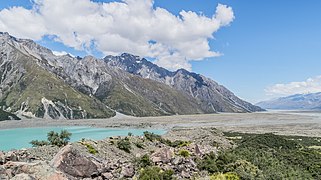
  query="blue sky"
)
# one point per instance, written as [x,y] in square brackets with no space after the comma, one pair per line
[268,43]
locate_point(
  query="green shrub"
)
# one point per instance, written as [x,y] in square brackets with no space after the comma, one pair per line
[54,138]
[151,136]
[130,134]
[225,176]
[184,153]
[208,163]
[57,139]
[143,161]
[124,145]
[139,145]
[216,163]
[36,143]
[155,173]
[112,142]
[245,170]
[91,149]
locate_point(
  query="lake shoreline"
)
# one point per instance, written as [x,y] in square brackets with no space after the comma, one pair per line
[283,123]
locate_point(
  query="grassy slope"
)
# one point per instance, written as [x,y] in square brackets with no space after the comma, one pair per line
[38,83]
[125,102]
[147,98]
[161,95]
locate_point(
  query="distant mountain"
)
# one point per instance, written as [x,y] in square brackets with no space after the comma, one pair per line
[36,83]
[294,102]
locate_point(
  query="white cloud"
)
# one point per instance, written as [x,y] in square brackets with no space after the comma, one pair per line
[311,85]
[133,26]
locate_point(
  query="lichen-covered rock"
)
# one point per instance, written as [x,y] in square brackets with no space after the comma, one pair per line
[107,175]
[128,171]
[69,161]
[11,156]
[163,155]
[35,170]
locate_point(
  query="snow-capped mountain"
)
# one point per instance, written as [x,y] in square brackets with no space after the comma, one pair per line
[294,102]
[36,83]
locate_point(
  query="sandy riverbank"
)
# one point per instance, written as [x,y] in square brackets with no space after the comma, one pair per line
[285,123]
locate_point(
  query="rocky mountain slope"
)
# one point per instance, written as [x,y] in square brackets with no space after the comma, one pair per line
[211,96]
[36,83]
[28,89]
[294,102]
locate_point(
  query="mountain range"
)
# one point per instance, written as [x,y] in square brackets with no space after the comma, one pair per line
[310,101]
[36,83]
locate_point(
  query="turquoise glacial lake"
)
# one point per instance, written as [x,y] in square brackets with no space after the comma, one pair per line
[20,137]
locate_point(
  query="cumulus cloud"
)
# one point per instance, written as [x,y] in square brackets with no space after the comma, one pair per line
[133,26]
[311,85]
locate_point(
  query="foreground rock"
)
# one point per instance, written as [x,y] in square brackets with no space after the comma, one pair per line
[69,161]
[163,155]
[25,171]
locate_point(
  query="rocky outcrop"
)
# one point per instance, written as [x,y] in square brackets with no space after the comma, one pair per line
[163,155]
[28,88]
[69,161]
[34,170]
[75,161]
[128,171]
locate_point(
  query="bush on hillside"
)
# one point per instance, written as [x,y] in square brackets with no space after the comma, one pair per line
[143,161]
[124,145]
[155,173]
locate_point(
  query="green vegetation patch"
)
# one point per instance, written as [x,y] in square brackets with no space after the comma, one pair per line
[225,176]
[184,153]
[91,149]
[155,173]
[267,156]
[124,101]
[7,116]
[143,161]
[124,144]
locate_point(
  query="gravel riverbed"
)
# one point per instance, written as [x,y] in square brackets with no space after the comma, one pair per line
[278,122]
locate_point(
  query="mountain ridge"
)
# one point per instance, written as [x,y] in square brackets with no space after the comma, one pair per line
[66,87]
[148,70]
